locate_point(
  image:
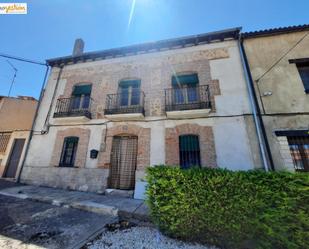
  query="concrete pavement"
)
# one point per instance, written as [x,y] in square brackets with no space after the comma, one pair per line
[28,224]
[124,208]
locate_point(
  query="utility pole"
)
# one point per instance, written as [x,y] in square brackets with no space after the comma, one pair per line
[15,72]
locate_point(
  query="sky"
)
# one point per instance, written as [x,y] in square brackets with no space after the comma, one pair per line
[51,27]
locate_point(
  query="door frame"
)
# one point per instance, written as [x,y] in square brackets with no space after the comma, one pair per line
[111,155]
[9,157]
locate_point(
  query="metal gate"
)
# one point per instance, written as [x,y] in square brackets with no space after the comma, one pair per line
[123,162]
[13,162]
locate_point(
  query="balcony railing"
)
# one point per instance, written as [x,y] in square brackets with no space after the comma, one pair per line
[187,98]
[73,107]
[125,103]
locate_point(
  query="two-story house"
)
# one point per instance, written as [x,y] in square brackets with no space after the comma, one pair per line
[108,115]
[279,63]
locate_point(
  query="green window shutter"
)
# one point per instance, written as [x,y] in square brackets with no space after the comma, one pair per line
[189,79]
[189,143]
[82,90]
[128,83]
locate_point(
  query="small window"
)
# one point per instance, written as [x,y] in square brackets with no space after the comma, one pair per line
[189,151]
[299,148]
[4,140]
[303,69]
[69,152]
[81,97]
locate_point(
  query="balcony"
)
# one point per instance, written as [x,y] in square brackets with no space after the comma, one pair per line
[128,105]
[74,108]
[187,102]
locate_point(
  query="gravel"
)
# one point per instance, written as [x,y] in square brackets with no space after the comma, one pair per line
[139,238]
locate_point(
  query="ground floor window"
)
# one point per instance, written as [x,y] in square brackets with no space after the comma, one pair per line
[4,140]
[189,151]
[68,151]
[299,148]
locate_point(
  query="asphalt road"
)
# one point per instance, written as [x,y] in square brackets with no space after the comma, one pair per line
[29,224]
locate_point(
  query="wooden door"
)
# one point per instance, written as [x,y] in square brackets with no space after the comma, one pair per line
[123,162]
[14,158]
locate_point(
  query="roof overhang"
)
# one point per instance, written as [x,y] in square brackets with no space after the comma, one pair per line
[149,47]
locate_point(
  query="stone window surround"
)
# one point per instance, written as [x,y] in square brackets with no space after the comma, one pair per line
[206,140]
[143,144]
[82,146]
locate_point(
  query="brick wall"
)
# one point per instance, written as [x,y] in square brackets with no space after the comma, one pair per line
[154,72]
[206,139]
[143,150]
[82,147]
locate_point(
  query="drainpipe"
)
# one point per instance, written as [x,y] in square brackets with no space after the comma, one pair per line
[260,129]
[33,123]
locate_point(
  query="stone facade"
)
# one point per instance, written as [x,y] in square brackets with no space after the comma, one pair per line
[216,64]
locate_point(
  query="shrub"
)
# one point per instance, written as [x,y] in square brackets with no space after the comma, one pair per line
[252,209]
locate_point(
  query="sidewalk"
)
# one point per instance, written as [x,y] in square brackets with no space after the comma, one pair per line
[125,208]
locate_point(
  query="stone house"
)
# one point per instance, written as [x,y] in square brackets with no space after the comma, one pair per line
[279,63]
[16,117]
[107,115]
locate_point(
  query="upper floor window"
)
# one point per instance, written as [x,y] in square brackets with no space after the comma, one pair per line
[303,69]
[129,92]
[189,151]
[185,88]
[81,97]
[69,151]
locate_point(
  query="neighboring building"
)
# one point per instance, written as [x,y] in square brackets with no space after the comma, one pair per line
[16,117]
[279,64]
[107,115]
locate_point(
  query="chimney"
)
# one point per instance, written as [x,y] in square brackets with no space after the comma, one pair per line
[78,47]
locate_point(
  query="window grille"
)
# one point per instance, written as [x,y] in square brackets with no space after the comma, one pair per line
[299,148]
[4,140]
[69,152]
[189,151]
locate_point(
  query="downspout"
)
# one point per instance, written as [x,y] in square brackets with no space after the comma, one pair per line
[33,123]
[260,129]
[46,123]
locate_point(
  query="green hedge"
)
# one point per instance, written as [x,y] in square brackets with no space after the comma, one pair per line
[228,209]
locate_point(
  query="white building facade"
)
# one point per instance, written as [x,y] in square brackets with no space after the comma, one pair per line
[108,115]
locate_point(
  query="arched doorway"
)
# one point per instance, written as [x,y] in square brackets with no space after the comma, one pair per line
[123,162]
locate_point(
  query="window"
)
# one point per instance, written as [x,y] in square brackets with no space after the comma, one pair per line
[4,140]
[189,151]
[185,87]
[69,152]
[129,91]
[299,148]
[81,97]
[303,69]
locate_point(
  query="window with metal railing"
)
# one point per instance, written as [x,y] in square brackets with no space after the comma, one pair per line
[299,148]
[189,151]
[4,140]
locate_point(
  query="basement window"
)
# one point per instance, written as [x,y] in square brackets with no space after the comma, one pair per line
[189,151]
[68,152]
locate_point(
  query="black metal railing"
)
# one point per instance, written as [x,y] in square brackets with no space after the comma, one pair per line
[122,103]
[73,107]
[187,98]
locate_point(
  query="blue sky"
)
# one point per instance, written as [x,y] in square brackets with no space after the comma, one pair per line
[51,26]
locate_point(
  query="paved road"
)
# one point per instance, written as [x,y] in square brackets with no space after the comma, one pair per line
[29,224]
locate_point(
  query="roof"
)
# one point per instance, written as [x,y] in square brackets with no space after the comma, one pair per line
[275,31]
[149,47]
